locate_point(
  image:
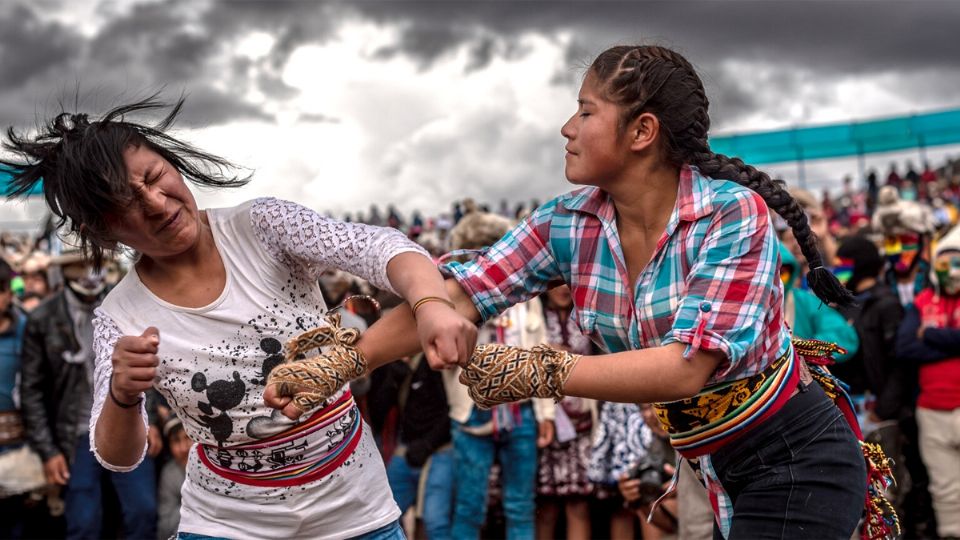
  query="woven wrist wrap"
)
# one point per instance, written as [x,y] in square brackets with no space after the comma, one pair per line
[312,381]
[501,373]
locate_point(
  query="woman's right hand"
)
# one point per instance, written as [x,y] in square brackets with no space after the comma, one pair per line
[135,364]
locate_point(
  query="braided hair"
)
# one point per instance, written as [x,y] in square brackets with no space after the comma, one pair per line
[80,163]
[660,81]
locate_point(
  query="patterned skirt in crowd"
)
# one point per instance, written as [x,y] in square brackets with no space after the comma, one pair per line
[617,445]
[562,470]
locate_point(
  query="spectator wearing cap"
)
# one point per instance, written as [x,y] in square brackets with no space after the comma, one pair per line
[36,282]
[172,475]
[57,374]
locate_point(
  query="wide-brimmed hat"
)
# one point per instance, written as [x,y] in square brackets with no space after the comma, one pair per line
[35,261]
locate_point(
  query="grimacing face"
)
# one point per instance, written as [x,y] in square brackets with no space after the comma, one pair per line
[164,220]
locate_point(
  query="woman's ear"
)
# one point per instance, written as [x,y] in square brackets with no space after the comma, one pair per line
[644,132]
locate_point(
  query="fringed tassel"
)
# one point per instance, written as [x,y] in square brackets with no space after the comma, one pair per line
[881,521]
[817,352]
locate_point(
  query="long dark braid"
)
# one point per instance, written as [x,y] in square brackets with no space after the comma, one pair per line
[660,81]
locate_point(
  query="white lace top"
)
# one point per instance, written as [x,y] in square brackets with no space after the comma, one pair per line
[214,360]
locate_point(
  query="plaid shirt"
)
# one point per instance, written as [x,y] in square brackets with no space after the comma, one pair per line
[713,282]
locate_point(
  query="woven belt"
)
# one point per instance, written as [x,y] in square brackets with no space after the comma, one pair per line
[721,413]
[280,461]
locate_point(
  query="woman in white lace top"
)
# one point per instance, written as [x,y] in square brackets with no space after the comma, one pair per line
[204,316]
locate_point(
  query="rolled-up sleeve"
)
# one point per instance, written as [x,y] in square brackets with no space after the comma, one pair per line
[515,269]
[732,289]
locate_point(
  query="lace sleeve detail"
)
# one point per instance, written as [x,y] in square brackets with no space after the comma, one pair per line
[105,336]
[300,238]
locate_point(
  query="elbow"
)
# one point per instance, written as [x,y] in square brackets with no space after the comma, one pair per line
[684,388]
[118,463]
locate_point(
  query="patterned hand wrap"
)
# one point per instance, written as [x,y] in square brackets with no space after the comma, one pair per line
[312,381]
[501,373]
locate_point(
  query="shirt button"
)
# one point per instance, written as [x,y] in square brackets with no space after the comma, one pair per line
[705,307]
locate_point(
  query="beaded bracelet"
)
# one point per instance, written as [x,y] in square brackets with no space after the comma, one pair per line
[119,403]
[426,299]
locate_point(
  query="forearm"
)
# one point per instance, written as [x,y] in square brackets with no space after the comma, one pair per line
[944,339]
[415,276]
[395,334]
[120,434]
[643,376]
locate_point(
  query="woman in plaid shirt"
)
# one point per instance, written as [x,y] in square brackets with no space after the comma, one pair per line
[674,267]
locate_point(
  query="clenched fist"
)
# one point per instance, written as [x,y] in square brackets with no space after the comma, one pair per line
[135,363]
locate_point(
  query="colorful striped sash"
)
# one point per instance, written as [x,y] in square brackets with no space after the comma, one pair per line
[291,458]
[722,413]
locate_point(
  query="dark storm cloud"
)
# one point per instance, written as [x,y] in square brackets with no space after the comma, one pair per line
[206,106]
[828,35]
[173,42]
[144,48]
[30,47]
[826,39]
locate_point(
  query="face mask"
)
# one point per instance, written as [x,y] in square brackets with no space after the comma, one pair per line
[89,284]
[843,270]
[902,252]
[948,275]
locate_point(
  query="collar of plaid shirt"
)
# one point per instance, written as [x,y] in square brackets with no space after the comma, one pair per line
[694,200]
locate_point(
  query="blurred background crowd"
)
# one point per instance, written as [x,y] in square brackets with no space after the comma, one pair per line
[576,469]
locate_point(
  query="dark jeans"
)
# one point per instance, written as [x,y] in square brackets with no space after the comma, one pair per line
[799,475]
[136,490]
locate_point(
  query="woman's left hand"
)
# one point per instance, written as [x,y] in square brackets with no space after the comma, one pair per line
[446,336]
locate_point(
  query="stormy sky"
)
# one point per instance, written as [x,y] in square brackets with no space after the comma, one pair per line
[342,104]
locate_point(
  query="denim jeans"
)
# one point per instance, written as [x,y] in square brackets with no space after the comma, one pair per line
[517,453]
[393,531]
[799,475]
[438,497]
[136,491]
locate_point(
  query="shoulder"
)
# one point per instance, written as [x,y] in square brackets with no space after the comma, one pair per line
[120,294]
[272,214]
[728,196]
[567,209]
[269,204]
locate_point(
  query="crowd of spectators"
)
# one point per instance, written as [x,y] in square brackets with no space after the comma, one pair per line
[577,468]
